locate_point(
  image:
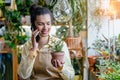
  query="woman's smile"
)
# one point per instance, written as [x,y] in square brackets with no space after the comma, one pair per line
[44,32]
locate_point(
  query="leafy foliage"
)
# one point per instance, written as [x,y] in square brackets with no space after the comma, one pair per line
[2,7]
[57,46]
[62,32]
[101,45]
[77,65]
[23,6]
[119,37]
[1,3]
[112,71]
[79,15]
[13,32]
[47,3]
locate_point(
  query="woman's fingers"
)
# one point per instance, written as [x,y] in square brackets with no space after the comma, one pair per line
[56,63]
[62,62]
[34,42]
[35,33]
[59,63]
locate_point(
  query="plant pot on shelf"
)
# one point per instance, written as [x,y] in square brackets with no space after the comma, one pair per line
[75,43]
[92,61]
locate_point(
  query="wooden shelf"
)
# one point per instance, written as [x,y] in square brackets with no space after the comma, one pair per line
[14,60]
[75,44]
[2,19]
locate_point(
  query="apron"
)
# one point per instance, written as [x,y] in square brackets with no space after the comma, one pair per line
[44,70]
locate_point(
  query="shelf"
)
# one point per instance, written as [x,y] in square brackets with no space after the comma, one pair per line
[6,50]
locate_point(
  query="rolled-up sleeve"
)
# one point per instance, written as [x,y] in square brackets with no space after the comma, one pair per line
[27,61]
[67,68]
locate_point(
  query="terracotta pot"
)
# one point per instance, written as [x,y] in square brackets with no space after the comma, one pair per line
[58,55]
[92,60]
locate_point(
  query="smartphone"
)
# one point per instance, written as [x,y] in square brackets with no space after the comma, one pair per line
[38,36]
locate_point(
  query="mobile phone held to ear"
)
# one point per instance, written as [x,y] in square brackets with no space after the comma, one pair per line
[38,36]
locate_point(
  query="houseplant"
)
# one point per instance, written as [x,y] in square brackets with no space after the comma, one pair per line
[14,31]
[102,47]
[79,16]
[57,46]
[12,37]
[62,32]
[112,71]
[57,53]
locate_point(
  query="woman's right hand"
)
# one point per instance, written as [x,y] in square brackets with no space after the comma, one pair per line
[34,42]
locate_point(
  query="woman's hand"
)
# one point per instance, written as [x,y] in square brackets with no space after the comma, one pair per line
[58,60]
[34,42]
[57,63]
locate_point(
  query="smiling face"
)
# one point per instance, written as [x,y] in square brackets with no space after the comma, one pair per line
[43,24]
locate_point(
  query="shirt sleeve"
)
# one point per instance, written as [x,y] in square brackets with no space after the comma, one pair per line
[27,61]
[67,67]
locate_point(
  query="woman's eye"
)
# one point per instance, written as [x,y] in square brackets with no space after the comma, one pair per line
[40,23]
[48,23]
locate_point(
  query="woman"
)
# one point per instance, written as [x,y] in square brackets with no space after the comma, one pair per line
[36,57]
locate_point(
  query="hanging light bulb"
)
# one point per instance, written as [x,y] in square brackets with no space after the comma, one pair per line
[62,11]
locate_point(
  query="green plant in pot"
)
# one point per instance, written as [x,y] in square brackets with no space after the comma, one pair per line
[57,46]
[57,52]
[13,29]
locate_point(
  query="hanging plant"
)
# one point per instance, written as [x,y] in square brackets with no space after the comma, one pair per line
[79,15]
[62,32]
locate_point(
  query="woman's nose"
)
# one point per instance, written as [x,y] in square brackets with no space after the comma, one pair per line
[45,26]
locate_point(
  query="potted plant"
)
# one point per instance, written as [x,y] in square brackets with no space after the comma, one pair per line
[77,22]
[57,46]
[13,36]
[57,52]
[112,71]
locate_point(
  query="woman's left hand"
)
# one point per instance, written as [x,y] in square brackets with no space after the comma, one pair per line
[57,63]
